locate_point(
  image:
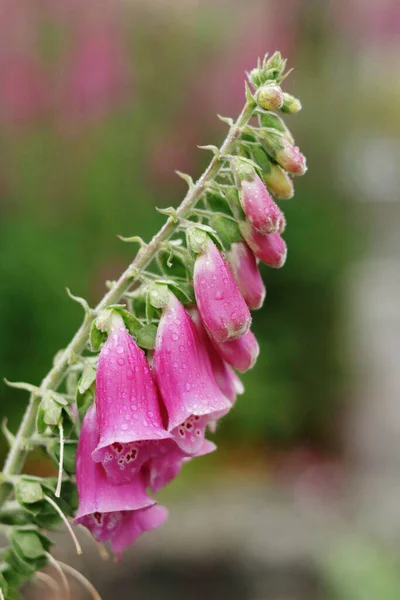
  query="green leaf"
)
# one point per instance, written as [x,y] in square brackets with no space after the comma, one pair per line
[146,337]
[19,569]
[70,448]
[227,230]
[217,202]
[27,543]
[28,492]
[172,264]
[97,337]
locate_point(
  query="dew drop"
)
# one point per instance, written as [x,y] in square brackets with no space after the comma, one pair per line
[119,349]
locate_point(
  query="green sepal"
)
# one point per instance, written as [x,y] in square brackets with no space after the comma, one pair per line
[4,586]
[273,121]
[28,492]
[158,294]
[262,159]
[146,337]
[19,568]
[87,378]
[84,400]
[197,238]
[15,516]
[131,322]
[13,594]
[182,290]
[49,413]
[149,311]
[97,337]
[227,230]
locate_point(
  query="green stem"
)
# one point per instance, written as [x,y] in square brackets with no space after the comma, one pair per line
[16,457]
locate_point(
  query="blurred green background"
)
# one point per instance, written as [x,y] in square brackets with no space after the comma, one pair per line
[102,100]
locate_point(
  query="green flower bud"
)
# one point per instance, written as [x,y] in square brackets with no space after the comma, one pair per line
[290,104]
[270,97]
[279,183]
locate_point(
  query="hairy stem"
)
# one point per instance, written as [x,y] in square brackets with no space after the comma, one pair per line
[16,457]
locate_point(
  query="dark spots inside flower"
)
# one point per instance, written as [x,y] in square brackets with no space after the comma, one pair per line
[181,432]
[198,432]
[118,447]
[189,425]
[121,461]
[132,455]
[98,518]
[196,417]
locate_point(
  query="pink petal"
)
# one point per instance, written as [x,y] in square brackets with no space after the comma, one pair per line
[185,377]
[259,207]
[241,353]
[126,398]
[270,249]
[96,493]
[247,274]
[221,305]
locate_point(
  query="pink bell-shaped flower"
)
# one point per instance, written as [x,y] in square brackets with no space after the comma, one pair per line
[128,411]
[271,249]
[241,353]
[259,207]
[221,305]
[121,529]
[185,378]
[226,378]
[247,274]
[117,514]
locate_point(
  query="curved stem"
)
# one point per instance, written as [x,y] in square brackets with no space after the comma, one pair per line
[146,254]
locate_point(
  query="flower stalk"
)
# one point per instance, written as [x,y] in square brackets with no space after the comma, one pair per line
[167,338]
[17,454]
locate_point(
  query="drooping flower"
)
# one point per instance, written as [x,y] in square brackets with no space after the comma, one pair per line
[270,249]
[259,207]
[247,274]
[118,514]
[241,353]
[226,378]
[185,378]
[221,305]
[278,182]
[122,528]
[162,470]
[291,159]
[284,152]
[128,410]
